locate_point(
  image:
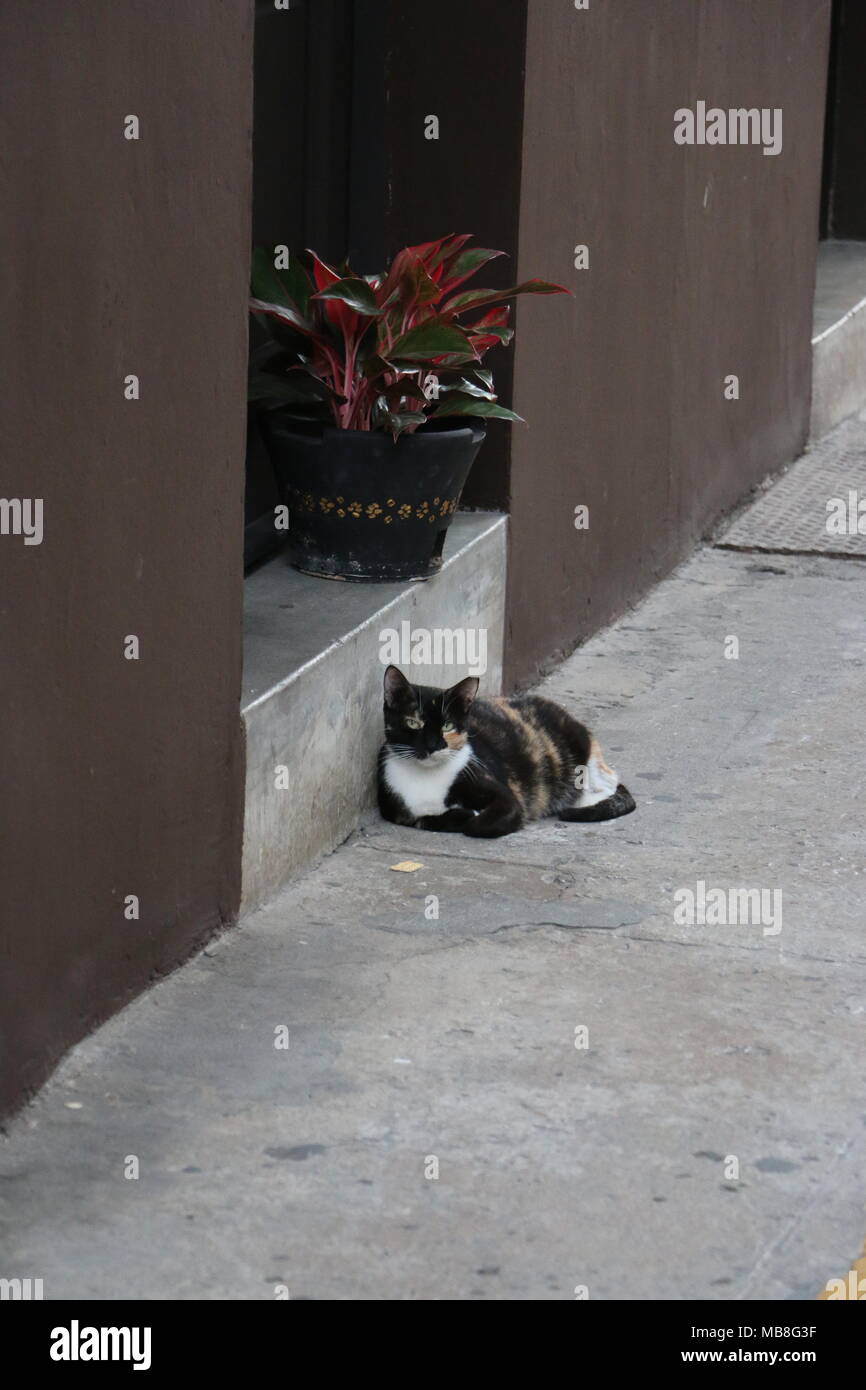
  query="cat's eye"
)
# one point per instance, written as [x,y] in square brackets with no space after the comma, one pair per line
[448,728]
[414,722]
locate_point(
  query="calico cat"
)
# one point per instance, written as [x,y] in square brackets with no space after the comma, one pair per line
[486,767]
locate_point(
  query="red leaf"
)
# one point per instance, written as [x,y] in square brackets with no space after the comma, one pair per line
[482,342]
[464,266]
[323,274]
[496,318]
[408,287]
[449,249]
[338,313]
[436,254]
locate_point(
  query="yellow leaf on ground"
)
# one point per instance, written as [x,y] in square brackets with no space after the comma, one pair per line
[406,866]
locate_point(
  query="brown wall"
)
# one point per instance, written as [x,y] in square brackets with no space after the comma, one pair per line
[701,264]
[119,776]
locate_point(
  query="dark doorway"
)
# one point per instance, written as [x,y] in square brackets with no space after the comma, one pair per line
[319,129]
[318,163]
[843,193]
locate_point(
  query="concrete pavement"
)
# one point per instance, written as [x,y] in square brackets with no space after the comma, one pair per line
[704,1137]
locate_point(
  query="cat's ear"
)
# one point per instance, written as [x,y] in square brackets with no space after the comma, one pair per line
[397,688]
[463,693]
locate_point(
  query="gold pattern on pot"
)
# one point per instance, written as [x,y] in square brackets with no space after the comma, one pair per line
[374,511]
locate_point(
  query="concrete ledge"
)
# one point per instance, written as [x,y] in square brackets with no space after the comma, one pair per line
[312,696]
[839,335]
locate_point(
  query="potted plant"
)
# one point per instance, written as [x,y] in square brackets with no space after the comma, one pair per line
[373,400]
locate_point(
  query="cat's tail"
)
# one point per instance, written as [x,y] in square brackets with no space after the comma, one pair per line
[602,795]
[620,803]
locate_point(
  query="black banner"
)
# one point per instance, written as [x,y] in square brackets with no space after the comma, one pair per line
[159,1339]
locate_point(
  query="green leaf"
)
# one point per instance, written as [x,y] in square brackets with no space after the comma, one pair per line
[468,405]
[472,299]
[374,365]
[429,340]
[432,253]
[356,293]
[402,391]
[485,376]
[265,283]
[285,312]
[456,359]
[440,253]
[408,285]
[293,389]
[271,357]
[400,421]
[504,335]
[297,283]
[469,388]
[289,286]
[407,282]
[466,265]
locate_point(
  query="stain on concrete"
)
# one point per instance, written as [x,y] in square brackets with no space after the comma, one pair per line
[485,916]
[300,1151]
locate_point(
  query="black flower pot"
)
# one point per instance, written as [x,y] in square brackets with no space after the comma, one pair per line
[363,507]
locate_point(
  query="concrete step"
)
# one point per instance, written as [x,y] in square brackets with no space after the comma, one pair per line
[312,691]
[838,335]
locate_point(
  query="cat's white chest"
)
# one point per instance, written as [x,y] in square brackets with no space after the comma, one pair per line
[423,786]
